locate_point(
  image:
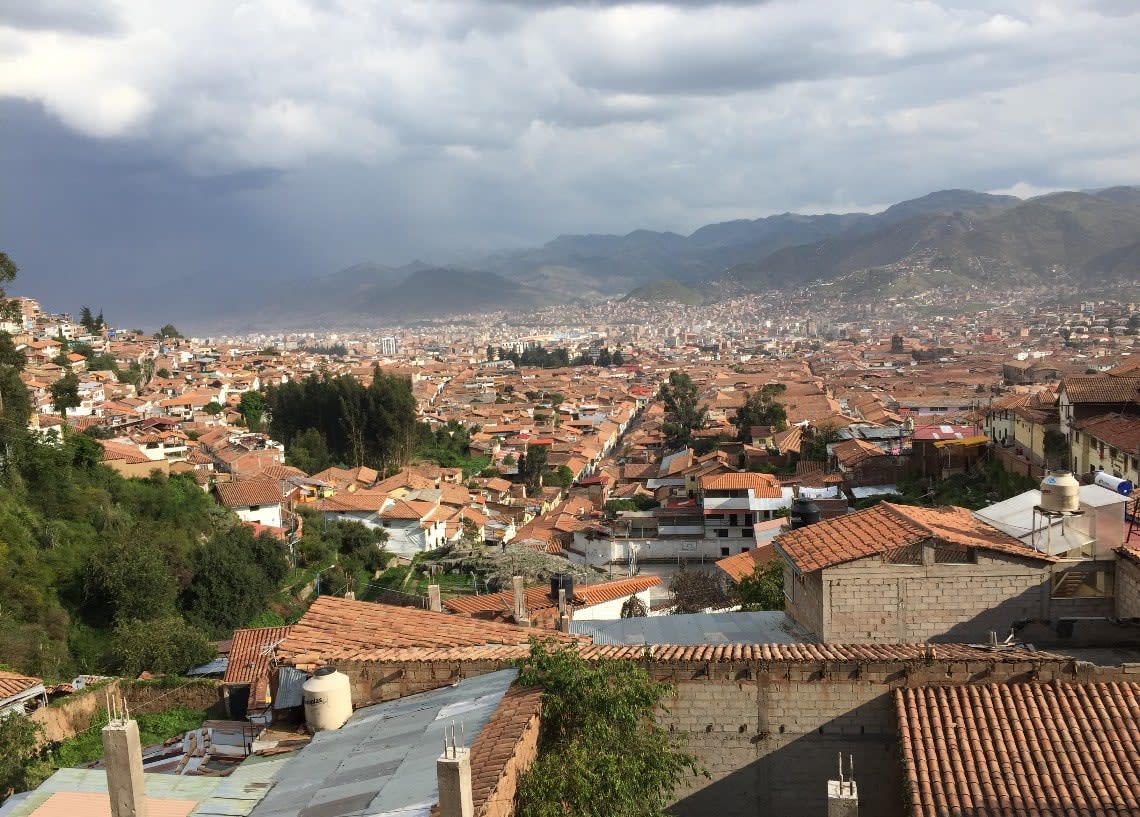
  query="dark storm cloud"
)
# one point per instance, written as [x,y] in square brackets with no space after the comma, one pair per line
[257,138]
[80,16]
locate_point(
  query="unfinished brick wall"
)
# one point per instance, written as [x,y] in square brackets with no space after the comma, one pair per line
[872,602]
[1127,588]
[501,801]
[767,732]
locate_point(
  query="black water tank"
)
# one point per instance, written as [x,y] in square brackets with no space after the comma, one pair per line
[804,512]
[562,581]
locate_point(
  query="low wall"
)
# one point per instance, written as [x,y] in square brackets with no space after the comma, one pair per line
[69,716]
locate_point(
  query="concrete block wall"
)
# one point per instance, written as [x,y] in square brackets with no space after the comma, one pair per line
[1127,588]
[803,599]
[768,733]
[868,601]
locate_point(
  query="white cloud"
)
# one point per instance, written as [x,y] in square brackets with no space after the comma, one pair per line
[599,115]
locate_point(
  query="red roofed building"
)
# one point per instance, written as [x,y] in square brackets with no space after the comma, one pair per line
[900,574]
[592,601]
[735,502]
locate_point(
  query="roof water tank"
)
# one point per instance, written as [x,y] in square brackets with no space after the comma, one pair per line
[1107,480]
[328,699]
[1060,492]
[562,581]
[804,512]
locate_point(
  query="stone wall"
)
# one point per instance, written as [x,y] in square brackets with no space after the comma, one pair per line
[1127,588]
[769,732]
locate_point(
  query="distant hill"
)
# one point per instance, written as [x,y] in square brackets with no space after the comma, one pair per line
[1062,236]
[949,237]
[666,290]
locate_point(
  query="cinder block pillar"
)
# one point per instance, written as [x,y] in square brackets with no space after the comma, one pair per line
[434,603]
[453,776]
[842,798]
[123,756]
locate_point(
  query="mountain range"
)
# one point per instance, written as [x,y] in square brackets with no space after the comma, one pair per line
[949,237]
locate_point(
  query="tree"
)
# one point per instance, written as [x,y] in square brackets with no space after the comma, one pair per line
[213,408]
[763,589]
[252,408]
[604,357]
[761,409]
[601,749]
[235,573]
[470,538]
[130,580]
[19,746]
[619,358]
[86,320]
[633,607]
[163,372]
[309,452]
[65,394]
[682,414]
[167,331]
[1056,447]
[167,645]
[696,591]
[532,466]
[815,441]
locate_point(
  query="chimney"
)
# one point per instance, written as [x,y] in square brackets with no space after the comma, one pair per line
[563,613]
[434,603]
[843,794]
[122,754]
[453,778]
[520,611]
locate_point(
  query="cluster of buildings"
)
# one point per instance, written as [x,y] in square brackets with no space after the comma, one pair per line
[971,661]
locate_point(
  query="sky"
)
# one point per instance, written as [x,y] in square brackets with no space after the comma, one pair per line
[144,142]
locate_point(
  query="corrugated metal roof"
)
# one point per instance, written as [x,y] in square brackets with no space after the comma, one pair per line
[383,760]
[696,628]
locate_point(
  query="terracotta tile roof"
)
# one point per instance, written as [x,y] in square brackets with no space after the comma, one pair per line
[249,660]
[854,452]
[1116,430]
[886,526]
[13,684]
[405,510]
[764,485]
[122,452]
[1012,749]
[538,598]
[667,653]
[348,501]
[1104,389]
[249,492]
[744,564]
[339,629]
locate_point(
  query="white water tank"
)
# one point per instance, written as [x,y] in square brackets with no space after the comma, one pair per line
[1060,492]
[1107,480]
[328,699]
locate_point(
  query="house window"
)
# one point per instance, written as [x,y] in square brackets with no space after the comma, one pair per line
[255,507]
[724,551]
[745,550]
[746,532]
[722,533]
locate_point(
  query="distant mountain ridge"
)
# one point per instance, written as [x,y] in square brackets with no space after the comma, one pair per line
[948,237]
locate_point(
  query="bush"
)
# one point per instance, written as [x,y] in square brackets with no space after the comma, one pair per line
[161,646]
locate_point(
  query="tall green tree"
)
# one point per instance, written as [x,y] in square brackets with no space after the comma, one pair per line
[65,394]
[532,466]
[683,414]
[252,408]
[763,589]
[19,746]
[235,573]
[602,752]
[761,409]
